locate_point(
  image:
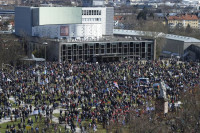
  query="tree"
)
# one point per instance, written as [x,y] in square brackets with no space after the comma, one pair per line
[142,15]
[10,49]
[188,29]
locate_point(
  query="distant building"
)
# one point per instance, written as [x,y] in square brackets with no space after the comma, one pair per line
[7,2]
[98,2]
[174,45]
[183,21]
[118,21]
[87,3]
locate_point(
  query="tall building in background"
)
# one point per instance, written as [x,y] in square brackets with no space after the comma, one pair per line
[87,3]
[98,2]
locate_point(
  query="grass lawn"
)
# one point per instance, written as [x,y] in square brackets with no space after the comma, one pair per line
[100,128]
[86,123]
[13,104]
[56,114]
[41,124]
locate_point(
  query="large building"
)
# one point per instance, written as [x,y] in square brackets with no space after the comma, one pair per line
[174,45]
[105,50]
[183,21]
[64,22]
[80,34]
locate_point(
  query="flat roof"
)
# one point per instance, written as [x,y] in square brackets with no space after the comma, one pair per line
[155,34]
[106,41]
[182,38]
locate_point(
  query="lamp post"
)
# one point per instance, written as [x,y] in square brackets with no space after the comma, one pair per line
[39,76]
[45,44]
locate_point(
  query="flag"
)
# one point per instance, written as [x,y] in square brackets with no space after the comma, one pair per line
[45,71]
[119,91]
[116,84]
[77,120]
[46,80]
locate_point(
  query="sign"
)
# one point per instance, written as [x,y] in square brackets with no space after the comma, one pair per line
[35,112]
[64,31]
[166,107]
[28,127]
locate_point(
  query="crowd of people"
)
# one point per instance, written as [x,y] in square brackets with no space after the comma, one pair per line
[98,93]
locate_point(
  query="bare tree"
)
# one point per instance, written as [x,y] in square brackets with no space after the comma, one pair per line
[10,49]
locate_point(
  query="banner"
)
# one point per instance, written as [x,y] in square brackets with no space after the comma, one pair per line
[64,31]
[116,84]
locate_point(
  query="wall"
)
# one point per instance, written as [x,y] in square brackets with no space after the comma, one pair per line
[106,18]
[68,31]
[109,21]
[52,51]
[85,51]
[35,17]
[60,15]
[174,46]
[23,20]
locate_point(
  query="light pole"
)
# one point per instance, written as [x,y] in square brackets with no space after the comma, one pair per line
[45,44]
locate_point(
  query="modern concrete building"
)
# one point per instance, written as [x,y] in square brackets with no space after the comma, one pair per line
[27,18]
[64,22]
[113,49]
[80,34]
[173,44]
[99,15]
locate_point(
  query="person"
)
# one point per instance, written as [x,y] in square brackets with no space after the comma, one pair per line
[37,129]
[100,92]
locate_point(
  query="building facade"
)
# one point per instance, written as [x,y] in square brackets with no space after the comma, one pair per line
[183,21]
[102,51]
[99,15]
[79,23]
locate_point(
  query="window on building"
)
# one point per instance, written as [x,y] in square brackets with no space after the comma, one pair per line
[90,12]
[95,12]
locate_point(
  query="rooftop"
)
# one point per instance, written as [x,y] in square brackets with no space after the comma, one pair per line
[155,34]
[183,17]
[118,17]
[104,39]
